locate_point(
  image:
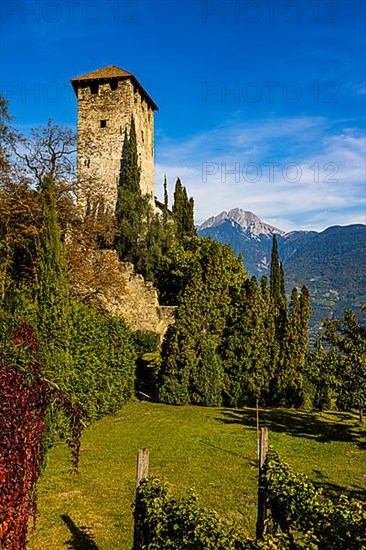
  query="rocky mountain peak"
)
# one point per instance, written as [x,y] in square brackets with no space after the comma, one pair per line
[245,219]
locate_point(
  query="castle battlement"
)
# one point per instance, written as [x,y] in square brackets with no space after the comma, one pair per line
[108,99]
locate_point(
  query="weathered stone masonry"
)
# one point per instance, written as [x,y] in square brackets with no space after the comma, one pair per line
[107,100]
[125,294]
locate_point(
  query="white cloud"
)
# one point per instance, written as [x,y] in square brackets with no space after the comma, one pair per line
[330,166]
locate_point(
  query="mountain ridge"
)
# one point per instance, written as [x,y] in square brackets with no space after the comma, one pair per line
[244,218]
[330,262]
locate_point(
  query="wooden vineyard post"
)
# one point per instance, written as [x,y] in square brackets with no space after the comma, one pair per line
[142,465]
[257,424]
[142,472]
[262,511]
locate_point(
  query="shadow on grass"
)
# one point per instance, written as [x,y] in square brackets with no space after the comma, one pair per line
[333,490]
[81,538]
[337,426]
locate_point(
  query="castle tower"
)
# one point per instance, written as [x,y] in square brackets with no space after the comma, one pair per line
[108,99]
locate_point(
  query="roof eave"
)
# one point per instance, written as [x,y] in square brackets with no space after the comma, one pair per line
[76,81]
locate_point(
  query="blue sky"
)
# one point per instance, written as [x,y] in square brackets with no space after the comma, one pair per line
[262,103]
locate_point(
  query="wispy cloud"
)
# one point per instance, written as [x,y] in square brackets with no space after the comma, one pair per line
[318,178]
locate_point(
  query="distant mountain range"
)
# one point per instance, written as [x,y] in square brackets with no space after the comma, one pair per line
[332,263]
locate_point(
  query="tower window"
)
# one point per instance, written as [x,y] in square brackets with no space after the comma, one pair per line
[94,88]
[114,85]
[103,124]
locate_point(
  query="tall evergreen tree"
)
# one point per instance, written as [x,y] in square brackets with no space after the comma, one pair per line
[131,207]
[291,365]
[289,377]
[167,222]
[277,279]
[282,287]
[52,293]
[278,298]
[320,379]
[305,314]
[275,276]
[157,242]
[247,348]
[166,198]
[151,246]
[183,213]
[273,346]
[192,369]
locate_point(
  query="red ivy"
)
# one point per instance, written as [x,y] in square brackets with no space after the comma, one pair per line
[25,398]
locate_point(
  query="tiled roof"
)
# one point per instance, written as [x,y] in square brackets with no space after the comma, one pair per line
[112,72]
[107,72]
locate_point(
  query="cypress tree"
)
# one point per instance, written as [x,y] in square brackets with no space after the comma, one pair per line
[166,199]
[282,288]
[278,296]
[167,222]
[189,227]
[178,210]
[131,171]
[264,286]
[183,213]
[275,277]
[53,311]
[192,367]
[151,247]
[273,346]
[131,207]
[157,242]
[305,313]
[289,372]
[247,353]
[52,292]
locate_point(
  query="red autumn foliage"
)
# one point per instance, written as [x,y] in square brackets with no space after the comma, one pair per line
[25,398]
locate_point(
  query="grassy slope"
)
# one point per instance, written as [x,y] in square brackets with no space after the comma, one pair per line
[210,449]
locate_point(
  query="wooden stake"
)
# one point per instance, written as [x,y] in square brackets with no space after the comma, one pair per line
[264,447]
[262,510]
[143,456]
[142,465]
[257,423]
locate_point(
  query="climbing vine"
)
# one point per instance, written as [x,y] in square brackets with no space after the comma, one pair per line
[25,399]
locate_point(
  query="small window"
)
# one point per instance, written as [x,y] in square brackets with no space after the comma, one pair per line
[103,124]
[114,85]
[94,88]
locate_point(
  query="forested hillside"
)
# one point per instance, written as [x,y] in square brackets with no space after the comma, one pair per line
[331,263]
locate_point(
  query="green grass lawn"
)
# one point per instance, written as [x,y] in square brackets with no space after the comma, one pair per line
[210,449]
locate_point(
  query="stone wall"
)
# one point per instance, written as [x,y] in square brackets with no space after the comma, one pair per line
[104,120]
[105,109]
[122,292]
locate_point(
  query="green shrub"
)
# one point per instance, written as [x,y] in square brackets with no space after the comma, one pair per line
[167,522]
[103,361]
[310,520]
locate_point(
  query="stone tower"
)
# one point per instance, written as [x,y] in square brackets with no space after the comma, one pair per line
[108,99]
